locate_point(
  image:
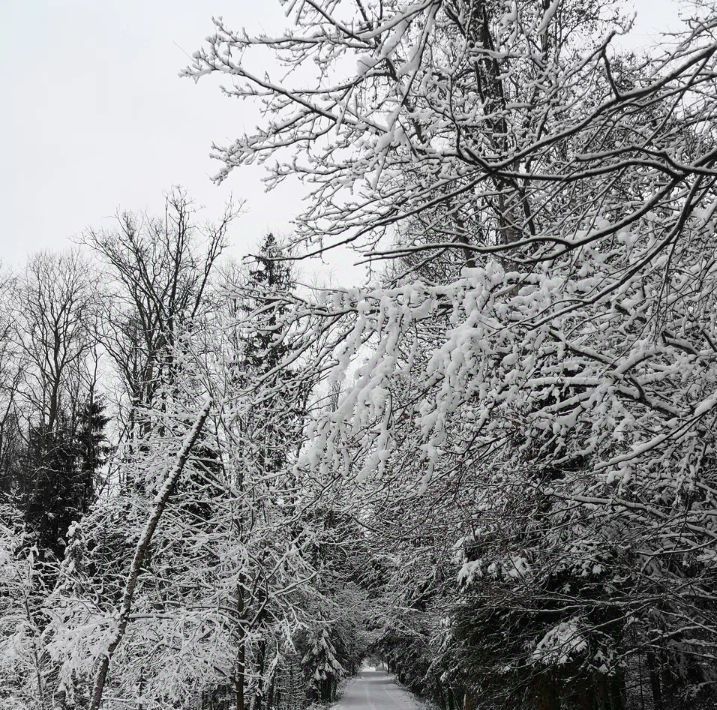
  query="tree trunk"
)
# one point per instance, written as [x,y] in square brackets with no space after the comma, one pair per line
[239,671]
[547,696]
[617,691]
[142,550]
[239,677]
[470,701]
[655,685]
[271,691]
[258,698]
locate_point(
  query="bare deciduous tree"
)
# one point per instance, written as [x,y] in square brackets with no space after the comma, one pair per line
[160,270]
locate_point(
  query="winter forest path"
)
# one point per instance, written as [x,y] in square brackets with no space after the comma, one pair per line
[375,690]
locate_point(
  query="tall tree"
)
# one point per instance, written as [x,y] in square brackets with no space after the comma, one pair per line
[55,302]
[535,372]
[216,599]
[159,270]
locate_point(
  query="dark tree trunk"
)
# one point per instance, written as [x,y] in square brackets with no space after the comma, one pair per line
[261,663]
[655,684]
[617,691]
[547,695]
[239,671]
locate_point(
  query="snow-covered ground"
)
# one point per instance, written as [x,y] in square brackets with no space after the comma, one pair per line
[375,690]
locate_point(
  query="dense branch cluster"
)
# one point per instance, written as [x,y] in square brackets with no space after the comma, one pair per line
[492,464]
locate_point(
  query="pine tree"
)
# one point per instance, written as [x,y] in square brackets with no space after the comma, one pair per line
[59,474]
[322,666]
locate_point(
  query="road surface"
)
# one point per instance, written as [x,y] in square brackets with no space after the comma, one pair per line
[375,690]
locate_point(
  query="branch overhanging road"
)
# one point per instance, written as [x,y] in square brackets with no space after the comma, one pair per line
[375,690]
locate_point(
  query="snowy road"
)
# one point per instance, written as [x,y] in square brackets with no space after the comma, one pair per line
[375,690]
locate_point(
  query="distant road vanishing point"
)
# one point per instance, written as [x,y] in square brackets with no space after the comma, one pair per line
[375,690]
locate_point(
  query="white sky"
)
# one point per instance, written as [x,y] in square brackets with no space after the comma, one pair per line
[94,116]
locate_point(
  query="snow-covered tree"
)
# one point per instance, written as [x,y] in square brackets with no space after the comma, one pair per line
[323,666]
[535,372]
[23,669]
[158,272]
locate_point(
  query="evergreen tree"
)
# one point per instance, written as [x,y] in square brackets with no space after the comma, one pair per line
[60,470]
[322,666]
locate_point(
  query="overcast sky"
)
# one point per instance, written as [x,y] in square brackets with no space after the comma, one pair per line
[94,116]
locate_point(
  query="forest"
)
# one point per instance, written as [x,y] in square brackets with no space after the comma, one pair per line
[492,464]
